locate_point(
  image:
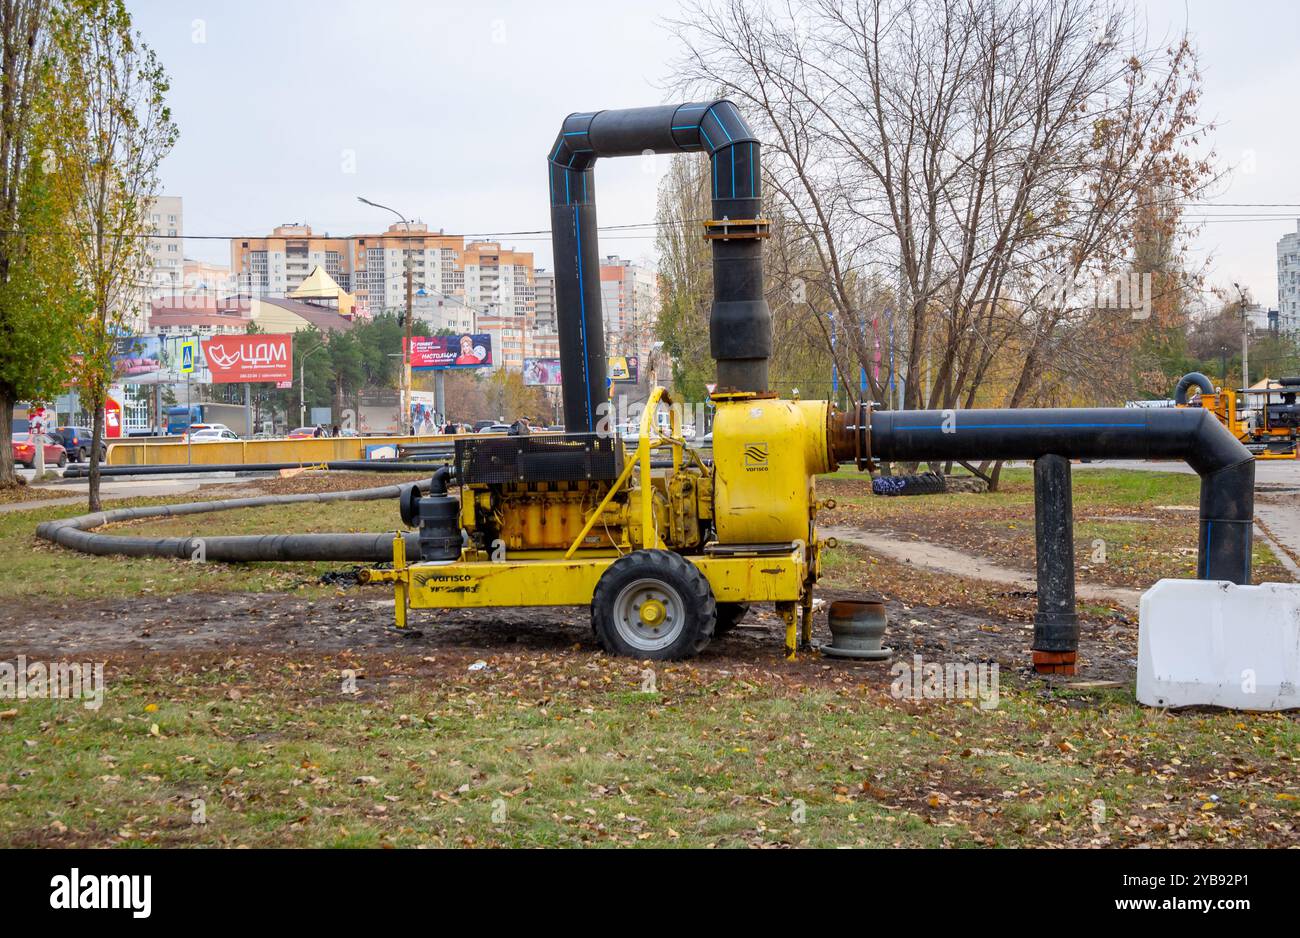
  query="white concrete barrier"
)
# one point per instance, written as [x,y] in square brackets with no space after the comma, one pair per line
[1214,643]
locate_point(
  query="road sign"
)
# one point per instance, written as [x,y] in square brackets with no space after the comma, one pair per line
[187,357]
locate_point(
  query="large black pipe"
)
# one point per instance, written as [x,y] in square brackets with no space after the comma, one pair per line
[740,326]
[1194,435]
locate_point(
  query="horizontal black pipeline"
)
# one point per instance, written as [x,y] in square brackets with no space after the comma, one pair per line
[81,471]
[1192,434]
[78,533]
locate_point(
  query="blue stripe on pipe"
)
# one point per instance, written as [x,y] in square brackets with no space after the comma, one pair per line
[584,187]
[567,200]
[557,150]
[733,172]
[694,107]
[707,138]
[718,121]
[1038,426]
[582,320]
[575,133]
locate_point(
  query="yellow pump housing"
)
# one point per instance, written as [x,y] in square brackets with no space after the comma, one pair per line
[766,453]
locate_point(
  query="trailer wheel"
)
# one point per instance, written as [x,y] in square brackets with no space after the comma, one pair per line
[653,604]
[729,616]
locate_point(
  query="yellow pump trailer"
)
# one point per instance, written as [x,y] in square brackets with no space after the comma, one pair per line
[667,554]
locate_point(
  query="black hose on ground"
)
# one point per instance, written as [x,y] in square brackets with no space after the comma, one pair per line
[78,533]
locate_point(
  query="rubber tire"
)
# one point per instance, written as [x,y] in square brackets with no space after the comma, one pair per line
[729,616]
[672,570]
[63,460]
[81,454]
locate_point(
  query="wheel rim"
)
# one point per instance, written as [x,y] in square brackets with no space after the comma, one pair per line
[649,614]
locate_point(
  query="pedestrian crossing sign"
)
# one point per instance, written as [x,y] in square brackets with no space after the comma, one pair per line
[187,358]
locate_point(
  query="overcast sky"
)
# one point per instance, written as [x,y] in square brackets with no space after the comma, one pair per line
[290,109]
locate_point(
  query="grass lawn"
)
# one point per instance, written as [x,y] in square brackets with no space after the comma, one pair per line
[563,749]
[559,744]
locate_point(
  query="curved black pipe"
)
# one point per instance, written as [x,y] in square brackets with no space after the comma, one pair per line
[740,326]
[1194,435]
[1185,384]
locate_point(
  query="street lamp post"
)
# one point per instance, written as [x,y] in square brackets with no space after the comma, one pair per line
[302,385]
[406,345]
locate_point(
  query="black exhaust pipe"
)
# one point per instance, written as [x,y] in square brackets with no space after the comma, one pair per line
[740,326]
[1194,435]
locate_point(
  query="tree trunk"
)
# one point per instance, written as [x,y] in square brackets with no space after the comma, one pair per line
[7,474]
[96,439]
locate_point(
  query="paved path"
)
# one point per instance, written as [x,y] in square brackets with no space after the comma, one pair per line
[113,489]
[958,563]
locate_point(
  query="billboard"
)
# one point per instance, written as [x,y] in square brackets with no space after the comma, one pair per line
[240,358]
[541,372]
[459,351]
[137,358]
[623,369]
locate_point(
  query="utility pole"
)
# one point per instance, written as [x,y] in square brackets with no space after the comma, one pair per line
[410,298]
[1245,338]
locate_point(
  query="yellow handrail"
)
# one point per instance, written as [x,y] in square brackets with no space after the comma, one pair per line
[640,457]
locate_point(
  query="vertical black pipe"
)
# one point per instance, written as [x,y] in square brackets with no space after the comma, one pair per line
[740,326]
[1056,623]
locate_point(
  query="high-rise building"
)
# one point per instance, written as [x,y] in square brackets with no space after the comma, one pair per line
[630,301]
[1288,282]
[166,249]
[274,265]
[544,312]
[378,265]
[481,275]
[499,282]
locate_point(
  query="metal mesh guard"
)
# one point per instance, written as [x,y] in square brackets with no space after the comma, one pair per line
[572,457]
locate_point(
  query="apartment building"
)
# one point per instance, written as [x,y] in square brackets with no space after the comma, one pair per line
[499,282]
[274,265]
[1288,282]
[166,249]
[378,265]
[544,306]
[630,302]
[482,275]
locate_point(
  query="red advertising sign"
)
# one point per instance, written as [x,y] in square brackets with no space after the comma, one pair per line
[239,358]
[462,351]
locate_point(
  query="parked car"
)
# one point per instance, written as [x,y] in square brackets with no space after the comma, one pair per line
[213,435]
[494,428]
[24,450]
[195,428]
[77,440]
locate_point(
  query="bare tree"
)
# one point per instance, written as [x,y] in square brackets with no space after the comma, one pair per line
[981,157]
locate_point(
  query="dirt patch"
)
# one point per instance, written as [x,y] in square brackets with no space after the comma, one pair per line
[359,621]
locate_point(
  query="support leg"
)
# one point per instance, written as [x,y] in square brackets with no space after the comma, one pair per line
[807,615]
[789,613]
[1056,623]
